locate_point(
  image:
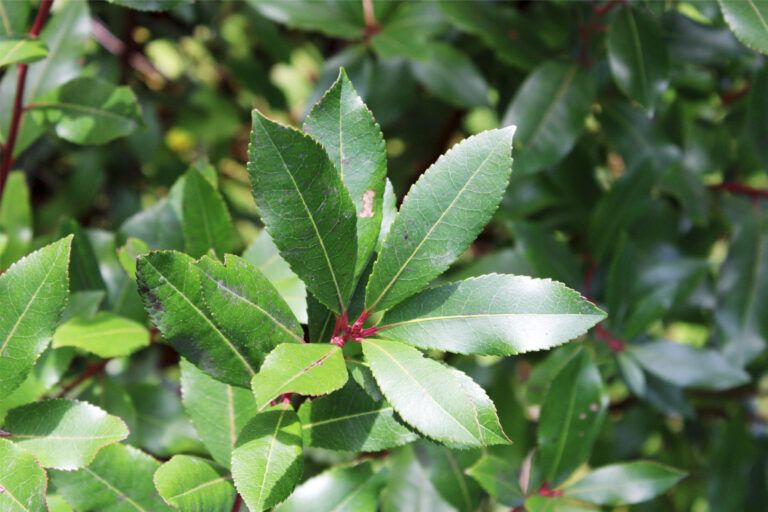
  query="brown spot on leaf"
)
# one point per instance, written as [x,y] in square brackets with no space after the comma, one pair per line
[368,196]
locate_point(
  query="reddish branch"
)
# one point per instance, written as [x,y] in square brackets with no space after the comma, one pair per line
[601,333]
[550,493]
[738,188]
[18,103]
[237,503]
[90,371]
[587,31]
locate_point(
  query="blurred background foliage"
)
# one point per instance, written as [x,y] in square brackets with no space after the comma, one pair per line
[639,179]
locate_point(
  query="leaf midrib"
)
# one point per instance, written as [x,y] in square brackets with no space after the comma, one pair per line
[7,492]
[638,53]
[269,455]
[550,110]
[63,105]
[481,315]
[299,374]
[200,486]
[115,490]
[434,226]
[347,417]
[309,215]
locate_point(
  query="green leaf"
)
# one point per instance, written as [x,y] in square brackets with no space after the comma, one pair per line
[348,489]
[749,21]
[687,366]
[151,5]
[447,471]
[389,212]
[35,289]
[65,33]
[13,17]
[345,127]
[306,208]
[492,315]
[119,479]
[83,265]
[408,31]
[22,480]
[638,55]
[349,420]
[169,284]
[408,488]
[264,254]
[158,226]
[441,215]
[217,410]
[550,109]
[21,50]
[89,111]
[63,434]
[15,218]
[105,334]
[307,369]
[205,219]
[246,306]
[332,18]
[443,404]
[267,461]
[194,484]
[624,484]
[570,418]
[128,253]
[499,477]
[537,503]
[362,374]
[451,76]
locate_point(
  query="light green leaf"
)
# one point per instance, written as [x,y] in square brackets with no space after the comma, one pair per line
[128,253]
[389,212]
[217,410]
[451,76]
[749,21]
[264,254]
[119,479]
[22,480]
[15,218]
[306,208]
[447,471]
[169,284]
[638,55]
[348,489]
[345,127]
[63,434]
[687,366]
[35,290]
[194,484]
[89,111]
[538,503]
[570,418]
[151,5]
[349,420]
[21,50]
[408,488]
[245,305]
[205,219]
[624,484]
[550,109]
[307,369]
[441,215]
[332,18]
[441,403]
[13,17]
[362,374]
[492,315]
[499,477]
[267,461]
[105,334]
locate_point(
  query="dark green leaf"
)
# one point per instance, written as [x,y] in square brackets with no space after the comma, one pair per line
[492,315]
[193,484]
[349,489]
[451,75]
[14,17]
[83,264]
[21,50]
[205,220]
[624,484]
[408,488]
[441,215]
[169,284]
[36,290]
[63,434]
[218,411]
[306,208]
[550,109]
[749,21]
[499,477]
[407,32]
[345,127]
[151,5]
[349,420]
[570,418]
[158,226]
[443,404]
[22,480]
[128,253]
[332,18]
[267,461]
[447,472]
[119,479]
[638,54]
[307,369]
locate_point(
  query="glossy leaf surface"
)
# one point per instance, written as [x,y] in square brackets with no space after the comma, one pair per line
[23,481]
[205,220]
[624,484]
[21,50]
[105,334]
[194,484]
[749,21]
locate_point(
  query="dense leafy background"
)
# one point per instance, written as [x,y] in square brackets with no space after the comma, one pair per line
[639,180]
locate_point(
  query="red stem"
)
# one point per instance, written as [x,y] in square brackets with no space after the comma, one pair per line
[546,491]
[237,503]
[18,110]
[90,371]
[586,31]
[601,333]
[738,188]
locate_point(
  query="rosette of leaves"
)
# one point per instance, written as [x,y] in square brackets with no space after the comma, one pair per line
[325,202]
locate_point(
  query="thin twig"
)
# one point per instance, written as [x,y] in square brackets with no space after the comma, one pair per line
[371,27]
[739,189]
